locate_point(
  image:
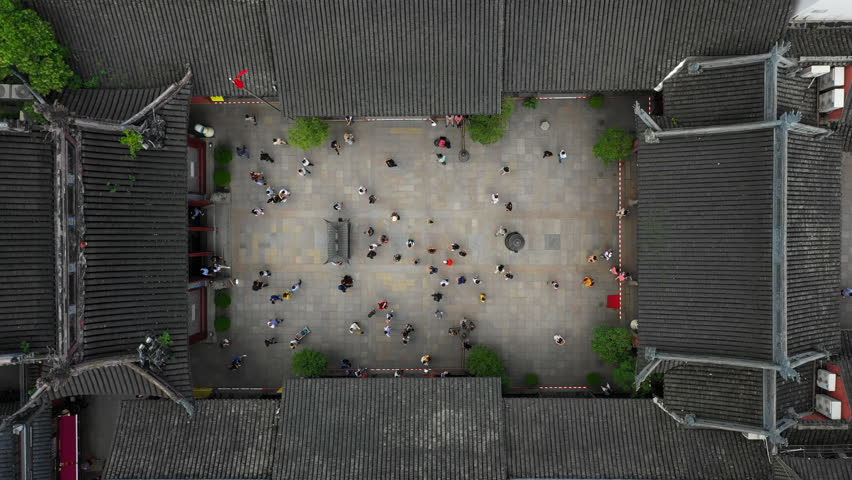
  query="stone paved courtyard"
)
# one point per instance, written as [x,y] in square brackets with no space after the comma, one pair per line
[566,213]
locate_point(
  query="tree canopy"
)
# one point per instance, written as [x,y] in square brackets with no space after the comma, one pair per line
[28,44]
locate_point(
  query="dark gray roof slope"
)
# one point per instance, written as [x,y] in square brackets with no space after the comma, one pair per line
[713,392]
[705,245]
[393,57]
[135,269]
[148,43]
[8,444]
[620,438]
[815,40]
[611,45]
[224,439]
[42,452]
[27,248]
[391,428]
[113,380]
[718,96]
[813,243]
[800,468]
[108,104]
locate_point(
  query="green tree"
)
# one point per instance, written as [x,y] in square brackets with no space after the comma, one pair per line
[166,339]
[531,380]
[222,300]
[222,323]
[614,345]
[133,140]
[615,144]
[488,129]
[309,363]
[27,43]
[308,132]
[530,102]
[484,362]
[596,101]
[625,374]
[594,379]
[223,155]
[221,177]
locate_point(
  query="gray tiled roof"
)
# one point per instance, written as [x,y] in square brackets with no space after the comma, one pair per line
[813,243]
[42,452]
[27,294]
[394,57]
[224,439]
[391,428]
[788,467]
[718,96]
[135,269]
[713,392]
[148,43]
[8,444]
[816,40]
[621,438]
[705,244]
[108,104]
[112,380]
[611,45]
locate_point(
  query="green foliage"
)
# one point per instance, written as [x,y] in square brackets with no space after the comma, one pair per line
[77,82]
[484,362]
[594,379]
[596,101]
[133,140]
[222,300]
[625,374]
[166,339]
[25,346]
[531,102]
[223,155]
[653,385]
[222,177]
[613,345]
[308,363]
[531,380]
[222,323]
[29,110]
[27,43]
[615,144]
[308,132]
[488,129]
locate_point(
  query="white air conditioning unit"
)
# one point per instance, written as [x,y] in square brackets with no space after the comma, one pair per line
[835,78]
[826,380]
[14,92]
[827,406]
[831,100]
[814,71]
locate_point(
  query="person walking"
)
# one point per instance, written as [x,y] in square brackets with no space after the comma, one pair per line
[432,270]
[383,305]
[274,298]
[279,141]
[592,259]
[425,359]
[846,292]
[237,362]
[349,138]
[504,171]
[554,284]
[445,282]
[509,276]
[251,119]
[442,159]
[476,280]
[337,206]
[495,198]
[273,323]
[500,269]
[306,162]
[303,172]
[410,243]
[547,154]
[225,343]
[501,231]
[387,331]
[562,156]
[242,152]
[559,340]
[448,262]
[453,247]
[265,157]
[588,281]
[296,286]
[461,280]
[509,207]
[257,211]
[395,217]
[257,285]
[355,329]
[607,254]
[335,146]
[362,190]
[270,341]
[482,297]
[371,199]
[437,296]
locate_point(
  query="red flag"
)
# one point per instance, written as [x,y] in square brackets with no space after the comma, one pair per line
[239,83]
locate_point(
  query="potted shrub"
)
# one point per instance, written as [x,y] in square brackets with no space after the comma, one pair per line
[223,155]
[222,300]
[488,129]
[308,132]
[615,144]
[308,363]
[531,380]
[530,102]
[221,177]
[596,101]
[222,323]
